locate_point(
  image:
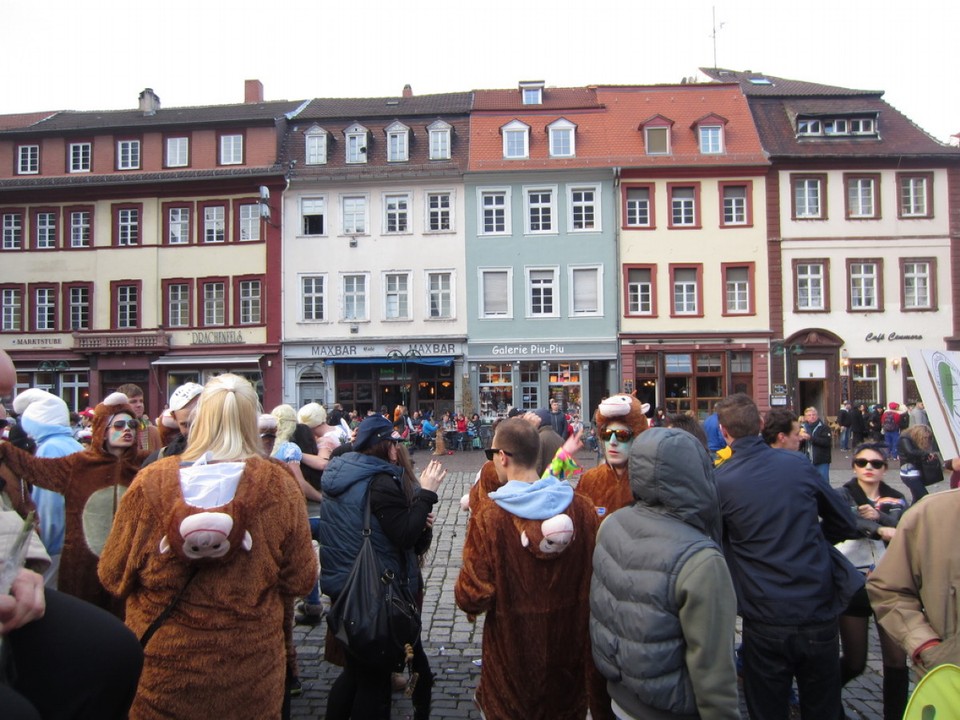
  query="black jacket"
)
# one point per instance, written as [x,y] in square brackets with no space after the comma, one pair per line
[820,443]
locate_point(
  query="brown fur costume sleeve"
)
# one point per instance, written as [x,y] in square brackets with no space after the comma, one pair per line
[48,473]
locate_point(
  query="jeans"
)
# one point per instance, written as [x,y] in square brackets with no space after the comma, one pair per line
[845,438]
[774,654]
[892,439]
[915,484]
[824,470]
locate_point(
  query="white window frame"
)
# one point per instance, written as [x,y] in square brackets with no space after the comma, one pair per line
[863,126]
[634,205]
[482,273]
[640,292]
[28,160]
[249,219]
[353,292]
[557,131]
[80,228]
[315,146]
[356,144]
[128,307]
[397,210]
[516,140]
[314,206]
[656,129]
[214,224]
[711,139]
[914,197]
[531,94]
[438,295]
[46,230]
[545,284]
[809,126]
[128,154]
[80,157]
[214,304]
[128,227]
[11,300]
[45,309]
[309,289]
[398,142]
[917,285]
[231,149]
[396,288]
[440,212]
[250,302]
[178,218]
[734,206]
[574,271]
[504,208]
[178,151]
[178,305]
[573,204]
[79,309]
[690,290]
[811,277]
[439,133]
[550,207]
[355,228]
[12,230]
[736,290]
[862,198]
[801,188]
[864,281]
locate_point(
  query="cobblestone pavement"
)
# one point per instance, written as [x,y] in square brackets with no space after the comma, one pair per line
[453,644]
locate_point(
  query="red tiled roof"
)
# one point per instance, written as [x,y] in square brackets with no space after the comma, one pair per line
[22,120]
[608,134]
[553,99]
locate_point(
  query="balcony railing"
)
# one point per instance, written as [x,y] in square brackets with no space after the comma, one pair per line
[114,342]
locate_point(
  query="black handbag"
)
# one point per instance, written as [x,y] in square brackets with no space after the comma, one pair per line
[931,469]
[375,616]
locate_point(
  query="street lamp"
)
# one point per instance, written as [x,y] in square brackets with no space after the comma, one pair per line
[58,366]
[404,358]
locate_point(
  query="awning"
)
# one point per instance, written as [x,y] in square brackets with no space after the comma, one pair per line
[224,360]
[432,361]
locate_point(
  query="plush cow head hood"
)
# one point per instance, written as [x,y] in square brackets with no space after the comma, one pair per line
[671,473]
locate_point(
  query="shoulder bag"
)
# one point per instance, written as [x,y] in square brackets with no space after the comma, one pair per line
[375,616]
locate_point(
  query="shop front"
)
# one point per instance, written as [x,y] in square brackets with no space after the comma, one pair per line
[528,375]
[365,376]
[690,377]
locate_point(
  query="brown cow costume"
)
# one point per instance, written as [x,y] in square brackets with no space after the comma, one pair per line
[221,653]
[92,483]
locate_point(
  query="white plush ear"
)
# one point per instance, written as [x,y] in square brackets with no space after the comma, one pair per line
[247,541]
[465,502]
[164,545]
[116,398]
[524,540]
[645,408]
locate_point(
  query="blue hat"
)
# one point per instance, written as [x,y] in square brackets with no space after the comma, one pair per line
[374,429]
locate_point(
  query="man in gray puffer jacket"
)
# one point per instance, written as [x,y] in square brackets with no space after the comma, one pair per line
[662,605]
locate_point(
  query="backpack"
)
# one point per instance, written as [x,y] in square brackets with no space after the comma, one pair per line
[890,421]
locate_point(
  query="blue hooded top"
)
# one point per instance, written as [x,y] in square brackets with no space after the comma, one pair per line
[534,501]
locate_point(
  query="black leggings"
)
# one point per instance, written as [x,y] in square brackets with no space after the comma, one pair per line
[77,662]
[363,693]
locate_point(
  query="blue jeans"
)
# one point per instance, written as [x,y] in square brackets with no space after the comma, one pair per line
[892,439]
[845,438]
[775,654]
[314,597]
[824,470]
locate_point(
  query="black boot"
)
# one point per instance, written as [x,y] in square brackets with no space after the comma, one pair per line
[896,683]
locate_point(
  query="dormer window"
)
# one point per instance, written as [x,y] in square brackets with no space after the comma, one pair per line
[563,138]
[516,140]
[836,126]
[809,127]
[316,146]
[710,134]
[656,135]
[357,140]
[398,142]
[862,126]
[439,133]
[532,92]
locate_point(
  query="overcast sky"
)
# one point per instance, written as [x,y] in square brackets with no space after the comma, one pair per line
[99,54]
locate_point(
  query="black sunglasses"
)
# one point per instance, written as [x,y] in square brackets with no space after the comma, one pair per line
[875,464]
[490,452]
[621,435]
[121,424]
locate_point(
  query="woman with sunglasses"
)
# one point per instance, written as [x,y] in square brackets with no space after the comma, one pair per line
[878,508]
[400,530]
[92,483]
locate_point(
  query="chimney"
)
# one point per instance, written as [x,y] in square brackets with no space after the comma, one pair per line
[252,91]
[149,102]
[407,91]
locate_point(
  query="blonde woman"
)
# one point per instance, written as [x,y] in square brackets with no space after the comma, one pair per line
[287,451]
[919,465]
[206,550]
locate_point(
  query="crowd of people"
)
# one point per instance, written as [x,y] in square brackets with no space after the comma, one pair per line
[187,554]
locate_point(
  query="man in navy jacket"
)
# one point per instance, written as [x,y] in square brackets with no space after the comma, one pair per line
[780,560]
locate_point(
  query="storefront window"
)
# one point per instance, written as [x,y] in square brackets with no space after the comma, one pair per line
[529,385]
[496,390]
[865,378]
[565,386]
[693,382]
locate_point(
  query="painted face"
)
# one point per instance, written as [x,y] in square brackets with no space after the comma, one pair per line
[122,432]
[617,439]
[868,474]
[792,441]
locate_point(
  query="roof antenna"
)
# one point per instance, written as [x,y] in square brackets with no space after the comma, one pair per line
[713,9]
